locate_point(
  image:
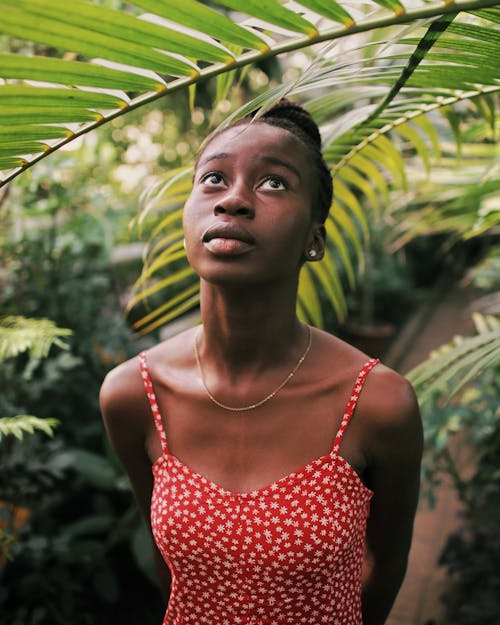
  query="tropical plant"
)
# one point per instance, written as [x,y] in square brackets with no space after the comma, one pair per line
[372,96]
[462,435]
[35,336]
[73,558]
[143,56]
[19,334]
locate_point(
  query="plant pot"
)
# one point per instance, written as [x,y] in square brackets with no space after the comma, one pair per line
[373,339]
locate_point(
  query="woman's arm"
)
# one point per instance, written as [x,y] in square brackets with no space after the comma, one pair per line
[394,451]
[127,417]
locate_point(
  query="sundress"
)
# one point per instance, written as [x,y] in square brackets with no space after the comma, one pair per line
[290,553]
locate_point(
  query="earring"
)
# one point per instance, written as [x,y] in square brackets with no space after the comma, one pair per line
[312,253]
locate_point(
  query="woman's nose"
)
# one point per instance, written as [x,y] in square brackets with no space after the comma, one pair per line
[236,201]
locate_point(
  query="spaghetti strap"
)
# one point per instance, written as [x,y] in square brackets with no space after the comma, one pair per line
[351,404]
[152,401]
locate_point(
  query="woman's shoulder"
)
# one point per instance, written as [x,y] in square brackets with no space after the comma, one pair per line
[387,398]
[122,394]
[389,410]
[123,391]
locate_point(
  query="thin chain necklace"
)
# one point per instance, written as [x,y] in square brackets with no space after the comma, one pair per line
[267,397]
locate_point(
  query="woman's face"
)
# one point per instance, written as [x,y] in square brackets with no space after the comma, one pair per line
[248,217]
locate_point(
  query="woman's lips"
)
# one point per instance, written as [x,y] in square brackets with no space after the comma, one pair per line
[227,247]
[228,239]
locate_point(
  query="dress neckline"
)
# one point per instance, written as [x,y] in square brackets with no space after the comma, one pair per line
[268,488]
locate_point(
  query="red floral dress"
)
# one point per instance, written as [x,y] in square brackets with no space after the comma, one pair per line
[290,553]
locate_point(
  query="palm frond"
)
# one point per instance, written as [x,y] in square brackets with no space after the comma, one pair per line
[366,145]
[110,61]
[453,365]
[36,336]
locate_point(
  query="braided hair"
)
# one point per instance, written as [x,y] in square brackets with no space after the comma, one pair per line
[293,117]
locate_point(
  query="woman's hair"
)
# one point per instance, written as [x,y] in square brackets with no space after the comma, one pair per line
[294,118]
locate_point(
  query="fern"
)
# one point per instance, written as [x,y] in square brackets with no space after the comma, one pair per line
[36,336]
[22,424]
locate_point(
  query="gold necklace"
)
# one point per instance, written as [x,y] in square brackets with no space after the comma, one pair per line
[267,397]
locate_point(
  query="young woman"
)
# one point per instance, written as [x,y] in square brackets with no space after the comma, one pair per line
[278,465]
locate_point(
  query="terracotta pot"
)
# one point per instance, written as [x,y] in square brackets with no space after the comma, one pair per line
[371,339]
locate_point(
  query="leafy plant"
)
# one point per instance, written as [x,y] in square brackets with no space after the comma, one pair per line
[459,362]
[168,59]
[393,64]
[373,152]
[459,386]
[18,335]
[74,557]
[462,445]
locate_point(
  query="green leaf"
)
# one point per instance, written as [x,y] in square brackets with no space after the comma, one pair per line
[94,469]
[73,73]
[330,9]
[43,114]
[89,526]
[30,27]
[17,148]
[273,13]
[193,14]
[119,25]
[22,132]
[411,135]
[309,297]
[20,95]
[329,279]
[425,44]
[26,424]
[176,277]
[35,336]
[9,162]
[392,5]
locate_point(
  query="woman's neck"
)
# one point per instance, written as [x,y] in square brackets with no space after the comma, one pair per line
[245,329]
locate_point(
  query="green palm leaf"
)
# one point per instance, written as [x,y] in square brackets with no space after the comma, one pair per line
[141,57]
[371,102]
[453,365]
[362,147]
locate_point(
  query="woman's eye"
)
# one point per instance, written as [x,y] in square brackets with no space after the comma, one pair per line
[212,179]
[274,182]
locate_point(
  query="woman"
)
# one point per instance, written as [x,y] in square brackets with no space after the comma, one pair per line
[279,465]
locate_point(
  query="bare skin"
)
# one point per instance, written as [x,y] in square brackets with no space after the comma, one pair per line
[249,226]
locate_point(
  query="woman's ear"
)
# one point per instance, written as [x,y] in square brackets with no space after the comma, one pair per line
[315,247]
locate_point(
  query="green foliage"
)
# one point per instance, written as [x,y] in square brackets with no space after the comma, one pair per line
[459,362]
[459,388]
[83,31]
[21,424]
[394,63]
[73,560]
[18,334]
[382,157]
[463,444]
[36,336]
